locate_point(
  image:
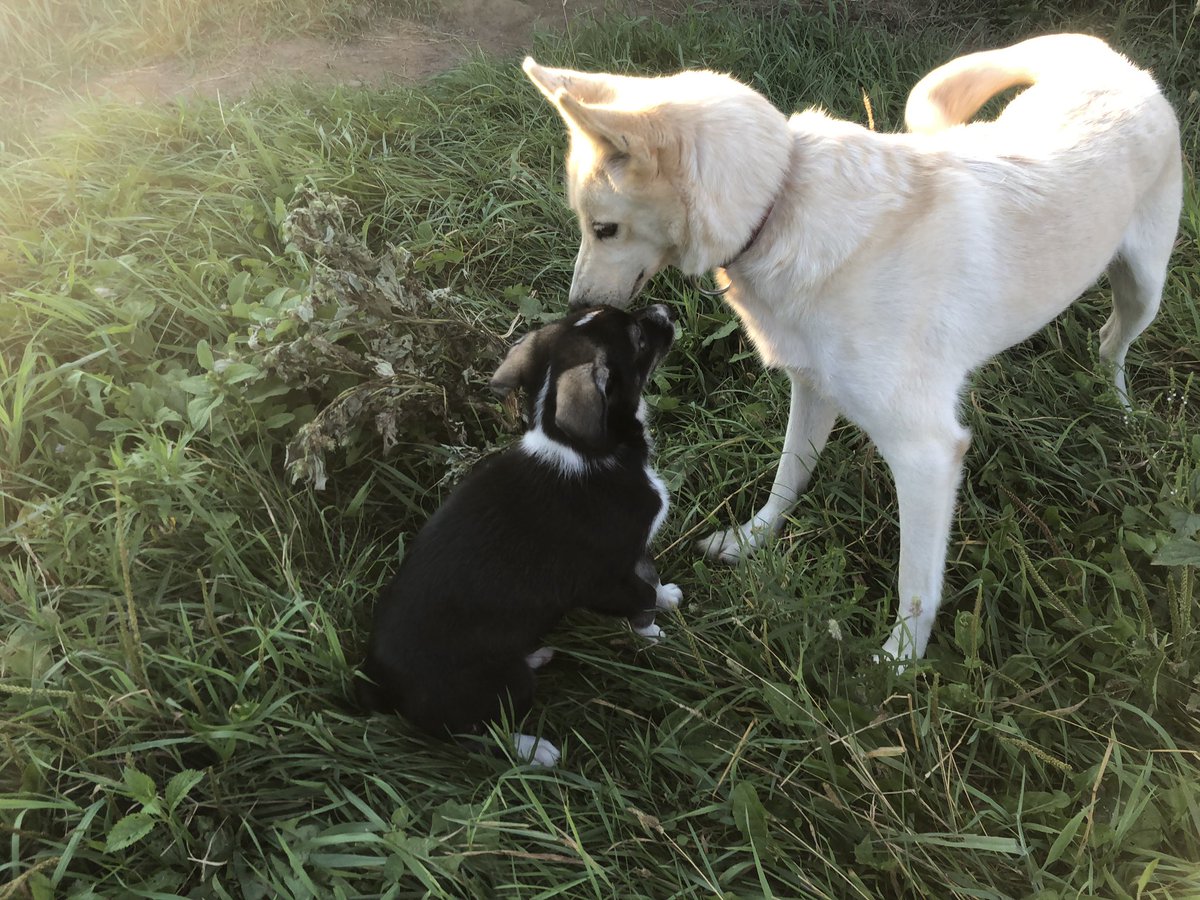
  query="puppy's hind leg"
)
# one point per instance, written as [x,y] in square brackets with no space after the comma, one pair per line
[514,686]
[810,419]
[536,751]
[539,657]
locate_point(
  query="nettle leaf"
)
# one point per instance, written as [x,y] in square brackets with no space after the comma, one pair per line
[128,831]
[141,786]
[1184,522]
[530,308]
[180,785]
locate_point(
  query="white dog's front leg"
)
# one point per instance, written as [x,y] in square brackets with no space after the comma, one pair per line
[927,474]
[810,419]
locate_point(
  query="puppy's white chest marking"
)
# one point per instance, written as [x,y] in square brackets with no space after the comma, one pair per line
[660,488]
[656,482]
[562,458]
[565,460]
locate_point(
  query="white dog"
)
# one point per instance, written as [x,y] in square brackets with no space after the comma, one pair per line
[879,270]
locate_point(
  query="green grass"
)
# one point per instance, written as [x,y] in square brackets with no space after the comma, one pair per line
[180,622]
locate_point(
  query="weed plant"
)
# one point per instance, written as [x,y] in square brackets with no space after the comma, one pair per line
[179,620]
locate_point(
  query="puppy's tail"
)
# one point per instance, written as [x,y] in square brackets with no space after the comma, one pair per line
[952,93]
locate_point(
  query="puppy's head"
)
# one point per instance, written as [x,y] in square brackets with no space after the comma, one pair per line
[583,376]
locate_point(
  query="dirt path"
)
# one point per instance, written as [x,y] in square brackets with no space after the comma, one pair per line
[391,51]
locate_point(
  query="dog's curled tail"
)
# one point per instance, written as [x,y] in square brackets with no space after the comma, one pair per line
[952,93]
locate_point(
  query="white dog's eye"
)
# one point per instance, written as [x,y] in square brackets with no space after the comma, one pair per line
[604,230]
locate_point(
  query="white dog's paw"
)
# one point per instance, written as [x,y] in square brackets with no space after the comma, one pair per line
[652,633]
[536,751]
[539,657]
[735,543]
[724,546]
[903,647]
[668,596]
[891,654]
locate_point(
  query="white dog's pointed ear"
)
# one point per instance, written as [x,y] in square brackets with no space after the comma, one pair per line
[590,87]
[581,404]
[514,371]
[621,129]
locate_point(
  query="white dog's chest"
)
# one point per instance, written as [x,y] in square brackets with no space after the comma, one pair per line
[791,341]
[832,352]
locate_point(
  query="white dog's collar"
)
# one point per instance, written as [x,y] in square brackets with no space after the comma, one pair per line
[753,236]
[720,292]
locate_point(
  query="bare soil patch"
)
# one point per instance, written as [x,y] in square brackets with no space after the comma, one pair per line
[392,51]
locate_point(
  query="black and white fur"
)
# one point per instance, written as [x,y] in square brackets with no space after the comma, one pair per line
[562,520]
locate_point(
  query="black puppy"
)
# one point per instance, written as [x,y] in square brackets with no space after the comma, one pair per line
[562,520]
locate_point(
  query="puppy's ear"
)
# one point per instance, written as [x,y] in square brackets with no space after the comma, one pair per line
[514,371]
[590,87]
[581,408]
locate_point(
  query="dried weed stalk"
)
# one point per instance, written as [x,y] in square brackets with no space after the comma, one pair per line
[411,352]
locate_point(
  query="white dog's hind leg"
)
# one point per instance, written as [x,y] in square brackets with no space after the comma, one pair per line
[1135,303]
[927,471]
[1137,274]
[810,419]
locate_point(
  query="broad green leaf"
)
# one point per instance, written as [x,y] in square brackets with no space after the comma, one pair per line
[1178,552]
[750,815]
[141,786]
[204,354]
[179,786]
[128,831]
[723,332]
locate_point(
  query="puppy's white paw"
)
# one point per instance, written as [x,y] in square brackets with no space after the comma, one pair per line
[536,751]
[652,633]
[667,596]
[539,657]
